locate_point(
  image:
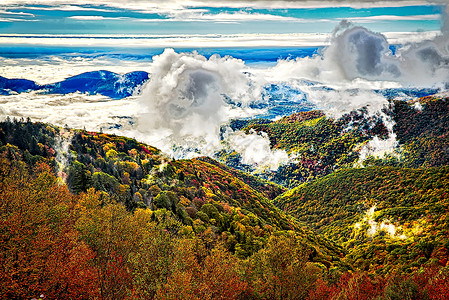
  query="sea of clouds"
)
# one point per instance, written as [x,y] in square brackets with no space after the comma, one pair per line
[185,106]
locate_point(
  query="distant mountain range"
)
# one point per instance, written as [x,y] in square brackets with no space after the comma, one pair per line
[106,83]
[280,99]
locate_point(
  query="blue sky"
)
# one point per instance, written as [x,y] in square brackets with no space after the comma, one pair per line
[169,17]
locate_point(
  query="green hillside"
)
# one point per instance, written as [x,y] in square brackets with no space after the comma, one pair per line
[320,144]
[385,217]
[323,145]
[87,246]
[423,132]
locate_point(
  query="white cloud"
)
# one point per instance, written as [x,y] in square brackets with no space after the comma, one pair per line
[18,14]
[255,151]
[96,18]
[170,5]
[234,17]
[177,8]
[357,55]
[193,11]
[374,227]
[395,18]
[76,110]
[170,41]
[192,41]
[313,4]
[184,102]
[203,16]
[15,20]
[55,6]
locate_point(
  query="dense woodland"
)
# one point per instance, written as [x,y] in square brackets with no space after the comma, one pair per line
[321,145]
[87,215]
[408,226]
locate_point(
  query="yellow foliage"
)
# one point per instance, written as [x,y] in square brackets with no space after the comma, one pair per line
[108,147]
[111,153]
[184,201]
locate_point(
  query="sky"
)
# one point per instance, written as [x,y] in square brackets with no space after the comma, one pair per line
[171,17]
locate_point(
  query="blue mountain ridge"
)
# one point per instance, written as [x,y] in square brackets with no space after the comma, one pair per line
[7,86]
[279,99]
[106,83]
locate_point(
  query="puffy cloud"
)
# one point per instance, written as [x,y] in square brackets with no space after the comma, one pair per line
[255,151]
[356,54]
[358,61]
[188,98]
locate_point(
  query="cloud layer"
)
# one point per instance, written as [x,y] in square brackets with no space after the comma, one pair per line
[189,97]
[224,17]
[152,5]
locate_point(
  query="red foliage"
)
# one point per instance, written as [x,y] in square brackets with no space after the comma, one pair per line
[144,149]
[323,291]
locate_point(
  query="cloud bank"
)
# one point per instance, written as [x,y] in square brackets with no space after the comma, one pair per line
[189,97]
[356,54]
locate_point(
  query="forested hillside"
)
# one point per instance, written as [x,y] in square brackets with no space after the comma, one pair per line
[320,144]
[422,130]
[323,145]
[206,198]
[87,215]
[65,246]
[387,218]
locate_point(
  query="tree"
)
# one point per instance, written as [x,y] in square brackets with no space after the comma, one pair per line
[281,270]
[39,248]
[78,178]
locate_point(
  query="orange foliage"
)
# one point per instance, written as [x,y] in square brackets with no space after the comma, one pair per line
[39,249]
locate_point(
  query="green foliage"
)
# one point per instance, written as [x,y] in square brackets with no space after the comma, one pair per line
[33,138]
[218,202]
[79,177]
[281,270]
[91,247]
[166,200]
[409,224]
[423,133]
[105,182]
[321,144]
[269,189]
[214,232]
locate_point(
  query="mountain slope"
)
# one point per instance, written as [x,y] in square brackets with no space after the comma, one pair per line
[105,83]
[16,85]
[206,197]
[422,131]
[198,223]
[399,217]
[320,144]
